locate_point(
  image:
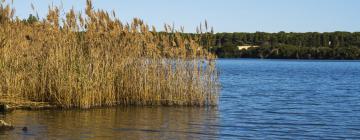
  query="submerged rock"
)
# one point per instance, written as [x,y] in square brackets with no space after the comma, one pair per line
[5,126]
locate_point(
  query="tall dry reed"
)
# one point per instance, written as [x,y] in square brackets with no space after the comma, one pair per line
[96,60]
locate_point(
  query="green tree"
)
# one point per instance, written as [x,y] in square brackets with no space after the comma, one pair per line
[32,19]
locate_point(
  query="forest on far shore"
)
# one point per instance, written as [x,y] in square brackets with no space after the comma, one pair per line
[282,45]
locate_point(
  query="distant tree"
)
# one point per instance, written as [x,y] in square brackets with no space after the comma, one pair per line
[32,19]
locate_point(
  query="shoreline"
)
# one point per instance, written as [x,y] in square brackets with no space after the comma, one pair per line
[8,104]
[289,59]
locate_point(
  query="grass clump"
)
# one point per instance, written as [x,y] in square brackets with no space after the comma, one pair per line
[93,59]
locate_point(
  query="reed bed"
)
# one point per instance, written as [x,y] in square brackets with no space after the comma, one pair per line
[93,59]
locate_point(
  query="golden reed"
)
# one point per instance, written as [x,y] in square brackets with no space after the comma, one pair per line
[93,59]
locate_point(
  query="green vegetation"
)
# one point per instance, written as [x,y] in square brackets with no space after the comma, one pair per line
[96,60]
[312,45]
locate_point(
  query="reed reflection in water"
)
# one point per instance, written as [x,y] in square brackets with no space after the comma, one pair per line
[115,123]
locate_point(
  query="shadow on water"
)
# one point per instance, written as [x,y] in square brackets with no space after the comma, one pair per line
[115,123]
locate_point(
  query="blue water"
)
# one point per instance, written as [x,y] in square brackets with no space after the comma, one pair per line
[260,99]
[290,99]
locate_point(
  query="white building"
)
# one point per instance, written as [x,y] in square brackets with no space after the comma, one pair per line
[246,47]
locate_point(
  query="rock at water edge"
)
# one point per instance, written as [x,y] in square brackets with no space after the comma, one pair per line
[5,126]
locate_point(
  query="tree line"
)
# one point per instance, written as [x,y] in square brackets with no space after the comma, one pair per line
[311,45]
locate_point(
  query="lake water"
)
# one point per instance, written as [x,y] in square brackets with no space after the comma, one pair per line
[260,99]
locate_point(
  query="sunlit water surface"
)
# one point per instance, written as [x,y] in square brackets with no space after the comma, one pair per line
[260,99]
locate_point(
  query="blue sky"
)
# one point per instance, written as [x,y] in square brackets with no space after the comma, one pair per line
[224,15]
